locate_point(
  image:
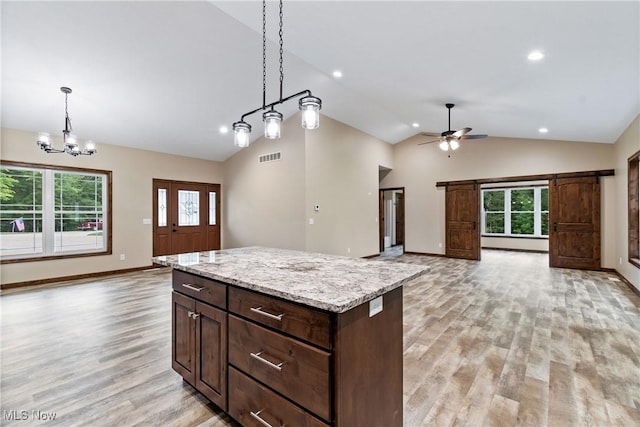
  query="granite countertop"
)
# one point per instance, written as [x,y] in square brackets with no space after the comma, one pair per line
[329,282]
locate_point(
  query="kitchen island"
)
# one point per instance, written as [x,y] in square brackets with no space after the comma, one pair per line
[279,337]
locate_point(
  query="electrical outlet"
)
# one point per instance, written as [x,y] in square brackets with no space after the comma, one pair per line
[348,250]
[122,257]
[439,245]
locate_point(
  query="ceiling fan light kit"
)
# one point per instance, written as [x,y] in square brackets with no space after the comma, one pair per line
[309,105]
[450,139]
[70,142]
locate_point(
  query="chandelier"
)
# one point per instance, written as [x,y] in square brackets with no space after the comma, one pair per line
[308,104]
[70,142]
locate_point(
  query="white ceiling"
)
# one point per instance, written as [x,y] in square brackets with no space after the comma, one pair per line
[166,75]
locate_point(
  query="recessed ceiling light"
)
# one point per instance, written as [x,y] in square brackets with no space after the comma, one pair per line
[415,125]
[536,55]
[337,74]
[543,130]
[223,129]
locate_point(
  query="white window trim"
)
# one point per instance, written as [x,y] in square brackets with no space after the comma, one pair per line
[537,213]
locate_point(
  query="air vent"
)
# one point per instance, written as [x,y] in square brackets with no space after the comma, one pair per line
[271,157]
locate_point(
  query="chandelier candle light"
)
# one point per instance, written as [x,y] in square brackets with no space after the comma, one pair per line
[70,142]
[308,104]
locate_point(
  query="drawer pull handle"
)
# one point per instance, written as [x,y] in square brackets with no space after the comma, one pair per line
[256,356]
[269,315]
[256,415]
[193,288]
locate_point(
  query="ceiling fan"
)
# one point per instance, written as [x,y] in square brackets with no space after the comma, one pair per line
[450,139]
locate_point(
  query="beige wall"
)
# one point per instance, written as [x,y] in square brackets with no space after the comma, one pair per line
[627,145]
[264,202]
[334,166]
[418,168]
[133,172]
[342,177]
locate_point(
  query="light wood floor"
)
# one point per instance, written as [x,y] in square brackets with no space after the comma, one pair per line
[506,341]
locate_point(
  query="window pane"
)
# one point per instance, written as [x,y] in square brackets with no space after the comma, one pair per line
[544,199]
[89,236]
[14,241]
[494,223]
[544,223]
[212,208]
[494,201]
[162,207]
[189,202]
[20,211]
[522,201]
[522,223]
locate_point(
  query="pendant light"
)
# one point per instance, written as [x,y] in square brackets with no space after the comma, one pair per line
[309,105]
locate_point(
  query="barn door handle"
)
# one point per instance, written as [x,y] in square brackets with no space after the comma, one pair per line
[474,225]
[555,226]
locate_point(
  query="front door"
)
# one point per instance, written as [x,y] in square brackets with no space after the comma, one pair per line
[574,217]
[462,216]
[186,217]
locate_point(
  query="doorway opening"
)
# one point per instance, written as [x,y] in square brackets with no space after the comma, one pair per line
[392,221]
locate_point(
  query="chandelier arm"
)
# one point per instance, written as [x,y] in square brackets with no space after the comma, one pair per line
[273,104]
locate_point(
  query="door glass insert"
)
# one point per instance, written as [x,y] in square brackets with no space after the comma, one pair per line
[212,208]
[189,208]
[162,207]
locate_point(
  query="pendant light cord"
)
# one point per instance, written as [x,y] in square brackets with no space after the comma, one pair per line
[281,51]
[67,120]
[264,54]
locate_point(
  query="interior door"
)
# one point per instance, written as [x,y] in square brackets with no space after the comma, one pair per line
[186,217]
[399,218]
[462,221]
[381,219]
[574,229]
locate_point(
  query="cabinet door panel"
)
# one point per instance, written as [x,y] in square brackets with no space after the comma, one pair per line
[183,337]
[211,354]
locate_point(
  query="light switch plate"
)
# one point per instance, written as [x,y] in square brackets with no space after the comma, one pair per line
[375,306]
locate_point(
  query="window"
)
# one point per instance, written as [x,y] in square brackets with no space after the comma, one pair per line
[50,212]
[520,212]
[634,209]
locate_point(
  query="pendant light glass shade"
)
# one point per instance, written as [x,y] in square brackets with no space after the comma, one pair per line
[454,144]
[241,134]
[444,146]
[43,140]
[310,107]
[272,120]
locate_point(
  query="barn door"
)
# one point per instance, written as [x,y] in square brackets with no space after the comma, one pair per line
[574,223]
[462,221]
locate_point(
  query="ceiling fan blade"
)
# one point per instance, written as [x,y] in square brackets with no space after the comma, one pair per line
[429,134]
[428,142]
[478,136]
[459,133]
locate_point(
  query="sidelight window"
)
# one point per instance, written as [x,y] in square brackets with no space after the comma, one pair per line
[518,212]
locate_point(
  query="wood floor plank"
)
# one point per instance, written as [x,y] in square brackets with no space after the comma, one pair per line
[506,341]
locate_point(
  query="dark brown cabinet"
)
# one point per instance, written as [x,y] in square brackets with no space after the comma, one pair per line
[199,341]
[269,361]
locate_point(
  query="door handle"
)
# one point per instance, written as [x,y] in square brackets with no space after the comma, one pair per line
[555,226]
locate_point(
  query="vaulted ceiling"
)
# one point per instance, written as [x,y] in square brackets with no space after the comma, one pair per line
[167,75]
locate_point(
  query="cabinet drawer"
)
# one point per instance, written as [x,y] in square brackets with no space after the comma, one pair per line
[302,322]
[293,368]
[200,288]
[252,404]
